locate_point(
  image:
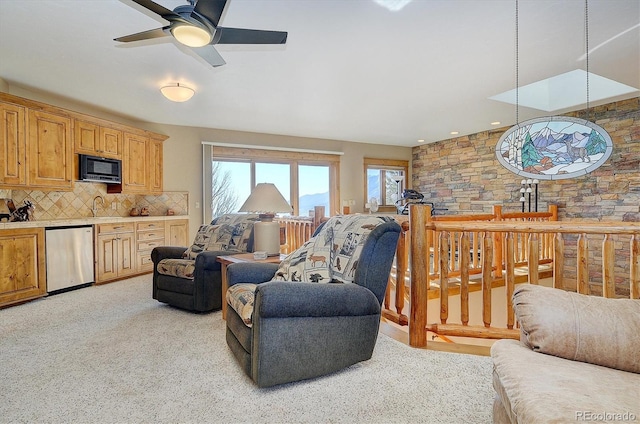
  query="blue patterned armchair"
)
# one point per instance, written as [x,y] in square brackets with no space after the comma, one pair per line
[319,310]
[190,278]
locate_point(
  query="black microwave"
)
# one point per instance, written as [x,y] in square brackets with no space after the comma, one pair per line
[102,170]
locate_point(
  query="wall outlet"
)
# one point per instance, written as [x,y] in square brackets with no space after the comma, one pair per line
[114,206]
[197,205]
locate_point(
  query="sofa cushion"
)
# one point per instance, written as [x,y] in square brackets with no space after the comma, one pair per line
[580,327]
[332,255]
[182,268]
[241,297]
[538,388]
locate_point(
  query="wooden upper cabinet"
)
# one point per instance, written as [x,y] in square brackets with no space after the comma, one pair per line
[111,143]
[86,137]
[50,151]
[155,165]
[13,145]
[39,144]
[93,139]
[135,164]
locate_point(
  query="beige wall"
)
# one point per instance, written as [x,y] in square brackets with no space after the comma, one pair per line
[183,151]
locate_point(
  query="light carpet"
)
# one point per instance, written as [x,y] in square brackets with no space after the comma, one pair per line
[112,354]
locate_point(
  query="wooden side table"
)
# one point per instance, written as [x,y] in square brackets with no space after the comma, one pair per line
[234,259]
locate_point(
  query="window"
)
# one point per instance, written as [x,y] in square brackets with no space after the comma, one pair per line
[385,179]
[305,179]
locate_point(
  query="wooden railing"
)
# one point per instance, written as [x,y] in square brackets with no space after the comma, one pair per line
[558,237]
[295,230]
[472,249]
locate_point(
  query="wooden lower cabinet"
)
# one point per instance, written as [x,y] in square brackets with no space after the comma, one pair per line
[177,232]
[22,265]
[124,249]
[115,251]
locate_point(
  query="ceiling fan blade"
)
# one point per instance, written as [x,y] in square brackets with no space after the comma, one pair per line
[210,54]
[145,35]
[167,14]
[248,36]
[211,9]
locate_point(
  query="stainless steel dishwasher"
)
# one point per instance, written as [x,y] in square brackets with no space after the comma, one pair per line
[69,257]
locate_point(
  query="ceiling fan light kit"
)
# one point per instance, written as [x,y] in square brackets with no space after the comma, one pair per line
[191,35]
[177,93]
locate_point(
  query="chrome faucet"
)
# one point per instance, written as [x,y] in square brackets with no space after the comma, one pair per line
[94,210]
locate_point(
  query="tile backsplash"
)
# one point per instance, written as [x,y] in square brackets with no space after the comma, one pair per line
[78,203]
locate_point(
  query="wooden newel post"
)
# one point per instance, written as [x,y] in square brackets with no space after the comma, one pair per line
[419,276]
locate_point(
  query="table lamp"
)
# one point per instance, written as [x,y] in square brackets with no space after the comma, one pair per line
[266,200]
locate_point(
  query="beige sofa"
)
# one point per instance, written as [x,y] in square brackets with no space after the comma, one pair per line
[578,359]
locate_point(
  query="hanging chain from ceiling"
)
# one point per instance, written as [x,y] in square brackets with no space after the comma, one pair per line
[586,32]
[517,71]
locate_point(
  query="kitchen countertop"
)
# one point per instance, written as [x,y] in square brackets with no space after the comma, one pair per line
[86,221]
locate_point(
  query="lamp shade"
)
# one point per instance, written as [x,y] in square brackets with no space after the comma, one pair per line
[266,199]
[176,92]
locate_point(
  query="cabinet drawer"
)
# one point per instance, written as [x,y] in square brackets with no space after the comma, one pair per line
[149,245]
[144,261]
[151,225]
[151,235]
[115,228]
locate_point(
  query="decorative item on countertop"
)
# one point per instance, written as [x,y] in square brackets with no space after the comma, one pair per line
[134,212]
[170,212]
[5,212]
[144,212]
[23,213]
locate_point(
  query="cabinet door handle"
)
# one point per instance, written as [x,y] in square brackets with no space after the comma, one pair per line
[117,228]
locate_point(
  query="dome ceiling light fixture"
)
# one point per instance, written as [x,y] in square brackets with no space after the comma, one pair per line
[176,92]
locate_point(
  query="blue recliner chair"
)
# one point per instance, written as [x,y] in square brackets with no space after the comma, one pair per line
[319,310]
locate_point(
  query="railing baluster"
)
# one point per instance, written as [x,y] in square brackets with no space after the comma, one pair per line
[634,279]
[510,278]
[401,268]
[583,264]
[487,279]
[444,277]
[558,261]
[464,277]
[534,258]
[608,266]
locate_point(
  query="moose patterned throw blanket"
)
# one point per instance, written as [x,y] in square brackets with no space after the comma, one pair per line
[332,255]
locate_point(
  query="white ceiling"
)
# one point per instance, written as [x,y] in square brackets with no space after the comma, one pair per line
[351,69]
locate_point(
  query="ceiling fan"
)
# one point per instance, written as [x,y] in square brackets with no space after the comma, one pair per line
[196,26]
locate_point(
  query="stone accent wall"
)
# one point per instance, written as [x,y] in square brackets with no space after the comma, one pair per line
[78,203]
[463,175]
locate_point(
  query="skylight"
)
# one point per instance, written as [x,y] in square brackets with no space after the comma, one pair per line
[564,91]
